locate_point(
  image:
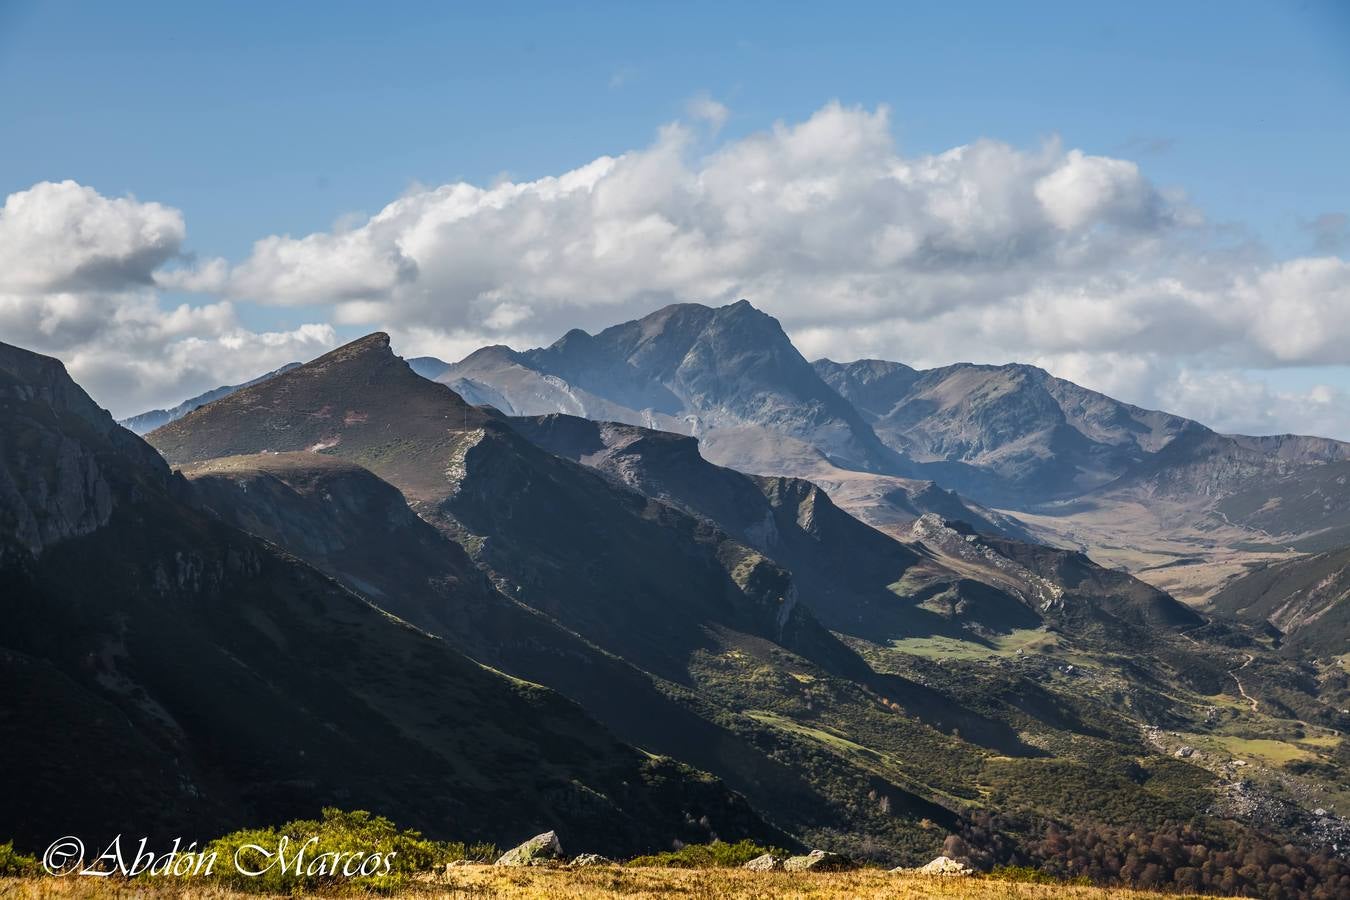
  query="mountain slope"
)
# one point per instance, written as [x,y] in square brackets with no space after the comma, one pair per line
[148,421]
[476,477]
[626,578]
[852,744]
[845,568]
[859,580]
[1165,497]
[1307,599]
[228,684]
[1039,437]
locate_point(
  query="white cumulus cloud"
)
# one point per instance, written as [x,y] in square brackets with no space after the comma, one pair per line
[79,279]
[984,252]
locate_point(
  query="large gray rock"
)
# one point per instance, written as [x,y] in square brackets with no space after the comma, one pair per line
[539,850]
[586,860]
[765,863]
[817,861]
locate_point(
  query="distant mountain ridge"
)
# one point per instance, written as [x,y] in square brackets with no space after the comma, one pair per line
[1041,438]
[1010,449]
[685,368]
[1139,488]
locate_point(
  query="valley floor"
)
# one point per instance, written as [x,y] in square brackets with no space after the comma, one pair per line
[616,882]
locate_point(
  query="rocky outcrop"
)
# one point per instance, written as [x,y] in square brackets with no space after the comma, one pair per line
[764,863]
[587,860]
[943,866]
[540,850]
[818,861]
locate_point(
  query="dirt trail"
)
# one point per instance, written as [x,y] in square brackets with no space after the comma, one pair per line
[1241,690]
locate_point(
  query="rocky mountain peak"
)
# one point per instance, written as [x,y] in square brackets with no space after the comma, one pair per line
[347,403]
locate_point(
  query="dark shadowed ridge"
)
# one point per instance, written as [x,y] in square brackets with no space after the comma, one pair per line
[846,570]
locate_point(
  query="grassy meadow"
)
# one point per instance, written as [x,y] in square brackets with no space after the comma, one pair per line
[615,882]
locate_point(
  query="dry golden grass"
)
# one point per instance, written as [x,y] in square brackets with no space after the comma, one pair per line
[612,882]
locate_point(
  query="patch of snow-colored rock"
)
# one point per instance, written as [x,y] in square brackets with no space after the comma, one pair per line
[943,866]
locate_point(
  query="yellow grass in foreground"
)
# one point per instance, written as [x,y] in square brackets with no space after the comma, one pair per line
[614,882]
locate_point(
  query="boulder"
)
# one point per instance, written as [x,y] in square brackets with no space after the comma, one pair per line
[946,866]
[817,861]
[765,863]
[590,859]
[539,850]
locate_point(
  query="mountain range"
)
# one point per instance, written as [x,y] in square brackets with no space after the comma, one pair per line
[1031,457]
[736,585]
[1011,449]
[217,681]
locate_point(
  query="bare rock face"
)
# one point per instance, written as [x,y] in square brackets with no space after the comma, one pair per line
[765,863]
[586,860]
[63,460]
[540,850]
[817,861]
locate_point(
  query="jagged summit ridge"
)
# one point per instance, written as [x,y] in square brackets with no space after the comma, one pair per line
[689,368]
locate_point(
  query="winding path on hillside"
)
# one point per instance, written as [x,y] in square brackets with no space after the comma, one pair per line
[1241,690]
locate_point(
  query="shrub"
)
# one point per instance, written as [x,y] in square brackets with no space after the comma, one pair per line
[718,854]
[338,841]
[14,864]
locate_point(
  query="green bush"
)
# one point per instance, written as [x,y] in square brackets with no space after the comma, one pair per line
[14,864]
[718,854]
[327,853]
[479,852]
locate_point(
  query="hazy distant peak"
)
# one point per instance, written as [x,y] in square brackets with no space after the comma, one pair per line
[491,352]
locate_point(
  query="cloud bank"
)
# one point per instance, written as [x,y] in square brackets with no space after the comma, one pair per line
[78,281]
[985,252]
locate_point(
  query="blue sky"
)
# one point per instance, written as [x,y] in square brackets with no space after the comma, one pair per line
[258,119]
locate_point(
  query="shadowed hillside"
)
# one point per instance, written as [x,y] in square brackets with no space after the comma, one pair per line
[221,682]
